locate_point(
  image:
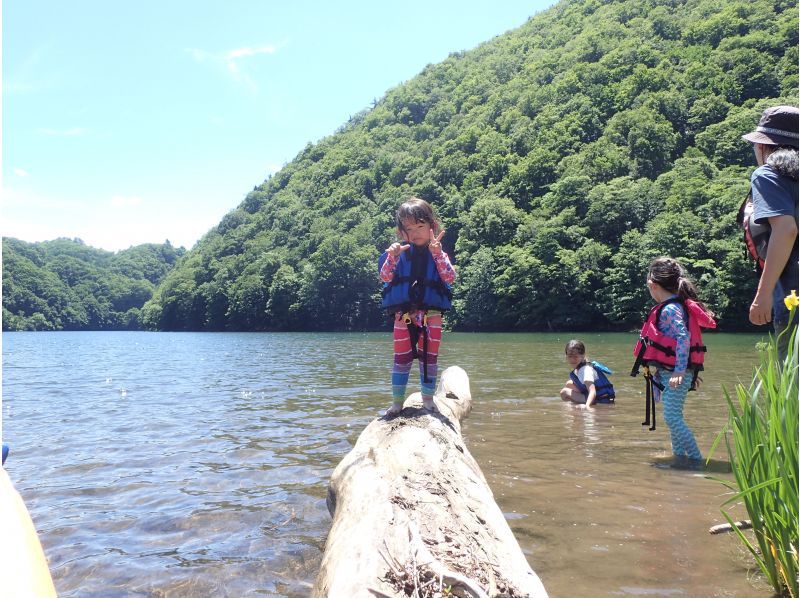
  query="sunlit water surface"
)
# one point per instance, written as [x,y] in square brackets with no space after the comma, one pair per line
[182,464]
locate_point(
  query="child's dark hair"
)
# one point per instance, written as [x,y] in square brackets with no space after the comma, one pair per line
[671,276]
[575,346]
[416,210]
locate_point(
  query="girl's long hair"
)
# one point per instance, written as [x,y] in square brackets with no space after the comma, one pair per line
[671,276]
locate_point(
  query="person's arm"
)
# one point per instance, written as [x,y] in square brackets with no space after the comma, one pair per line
[781,241]
[590,398]
[443,266]
[589,377]
[673,323]
[387,270]
[392,257]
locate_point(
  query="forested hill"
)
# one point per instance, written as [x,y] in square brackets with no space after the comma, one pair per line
[66,285]
[561,156]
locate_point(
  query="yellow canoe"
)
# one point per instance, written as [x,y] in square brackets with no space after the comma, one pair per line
[23,566]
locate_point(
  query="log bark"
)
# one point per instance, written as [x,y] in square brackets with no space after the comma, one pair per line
[413,514]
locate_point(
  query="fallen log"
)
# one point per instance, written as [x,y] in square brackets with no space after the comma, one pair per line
[727,527]
[413,514]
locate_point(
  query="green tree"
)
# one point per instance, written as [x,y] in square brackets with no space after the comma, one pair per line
[561,157]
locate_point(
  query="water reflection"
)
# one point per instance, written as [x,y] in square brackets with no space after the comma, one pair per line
[582,425]
[591,512]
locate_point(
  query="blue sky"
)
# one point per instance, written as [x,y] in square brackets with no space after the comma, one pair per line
[137,122]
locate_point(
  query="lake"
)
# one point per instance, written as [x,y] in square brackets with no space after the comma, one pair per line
[196,464]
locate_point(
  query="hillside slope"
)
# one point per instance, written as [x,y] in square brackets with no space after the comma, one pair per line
[66,285]
[561,157]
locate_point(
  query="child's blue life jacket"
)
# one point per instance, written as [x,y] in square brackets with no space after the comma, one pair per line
[416,283]
[604,390]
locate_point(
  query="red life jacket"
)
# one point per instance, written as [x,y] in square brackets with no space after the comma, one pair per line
[657,349]
[756,234]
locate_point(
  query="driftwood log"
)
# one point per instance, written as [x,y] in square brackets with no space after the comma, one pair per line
[723,528]
[413,514]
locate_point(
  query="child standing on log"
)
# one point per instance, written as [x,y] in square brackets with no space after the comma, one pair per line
[417,277]
[671,342]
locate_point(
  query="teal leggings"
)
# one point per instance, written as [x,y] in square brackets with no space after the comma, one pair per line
[683,442]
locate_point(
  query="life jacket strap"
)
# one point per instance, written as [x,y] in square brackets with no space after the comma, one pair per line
[650,398]
[438,285]
[639,357]
[425,379]
[696,369]
[668,351]
[413,332]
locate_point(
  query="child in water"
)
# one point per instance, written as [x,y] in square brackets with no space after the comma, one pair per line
[677,318]
[587,382]
[417,277]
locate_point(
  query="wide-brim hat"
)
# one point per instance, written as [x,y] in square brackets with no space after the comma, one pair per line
[778,126]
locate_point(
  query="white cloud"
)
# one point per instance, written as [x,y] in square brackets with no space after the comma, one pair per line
[20,172]
[121,201]
[200,55]
[28,76]
[241,52]
[28,231]
[110,223]
[32,218]
[114,230]
[16,199]
[73,132]
[232,60]
[232,56]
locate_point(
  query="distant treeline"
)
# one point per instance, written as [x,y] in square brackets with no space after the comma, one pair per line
[561,156]
[65,285]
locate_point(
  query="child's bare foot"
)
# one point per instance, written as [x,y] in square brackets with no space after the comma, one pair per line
[428,405]
[394,409]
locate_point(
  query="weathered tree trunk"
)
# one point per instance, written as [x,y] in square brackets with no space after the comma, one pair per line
[413,514]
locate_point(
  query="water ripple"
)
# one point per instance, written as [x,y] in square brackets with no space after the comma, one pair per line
[187,464]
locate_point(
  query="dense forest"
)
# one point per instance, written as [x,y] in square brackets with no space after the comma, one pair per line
[561,157]
[65,285]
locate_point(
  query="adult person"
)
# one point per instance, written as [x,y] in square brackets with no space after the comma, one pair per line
[774,190]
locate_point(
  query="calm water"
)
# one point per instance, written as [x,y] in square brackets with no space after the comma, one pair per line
[161,464]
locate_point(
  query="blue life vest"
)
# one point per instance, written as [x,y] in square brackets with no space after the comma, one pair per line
[604,390]
[416,283]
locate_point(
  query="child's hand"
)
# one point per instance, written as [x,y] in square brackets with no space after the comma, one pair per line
[675,380]
[396,249]
[435,244]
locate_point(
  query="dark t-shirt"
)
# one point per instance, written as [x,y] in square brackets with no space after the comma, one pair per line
[776,195]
